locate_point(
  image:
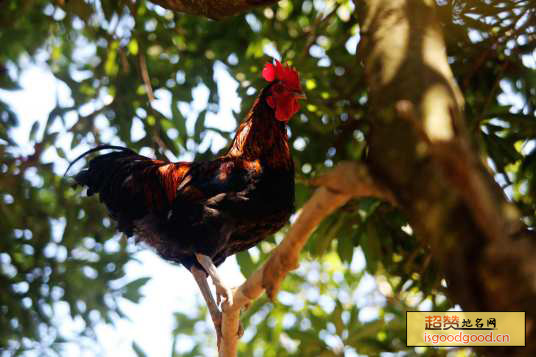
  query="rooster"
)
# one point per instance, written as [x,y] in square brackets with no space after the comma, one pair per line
[199,213]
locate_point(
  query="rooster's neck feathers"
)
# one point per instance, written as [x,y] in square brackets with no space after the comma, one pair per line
[261,136]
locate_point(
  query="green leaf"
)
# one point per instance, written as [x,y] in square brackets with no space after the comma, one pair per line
[370,243]
[80,8]
[131,291]
[200,124]
[34,130]
[138,350]
[336,317]
[345,245]
[245,262]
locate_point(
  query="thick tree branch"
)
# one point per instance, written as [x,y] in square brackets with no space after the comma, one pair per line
[358,183]
[419,148]
[344,182]
[214,9]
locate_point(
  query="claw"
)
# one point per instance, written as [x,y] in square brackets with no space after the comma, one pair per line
[224,296]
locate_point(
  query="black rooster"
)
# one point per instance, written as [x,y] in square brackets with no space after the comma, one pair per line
[199,213]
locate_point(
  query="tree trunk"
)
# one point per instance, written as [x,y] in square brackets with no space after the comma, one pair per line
[419,149]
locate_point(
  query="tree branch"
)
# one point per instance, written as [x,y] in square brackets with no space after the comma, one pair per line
[146,79]
[347,180]
[214,9]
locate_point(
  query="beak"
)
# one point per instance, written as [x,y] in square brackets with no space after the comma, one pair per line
[300,96]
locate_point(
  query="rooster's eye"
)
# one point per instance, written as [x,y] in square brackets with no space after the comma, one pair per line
[278,88]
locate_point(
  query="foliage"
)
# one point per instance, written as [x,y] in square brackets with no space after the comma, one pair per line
[55,244]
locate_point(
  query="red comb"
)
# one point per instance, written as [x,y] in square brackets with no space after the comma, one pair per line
[284,73]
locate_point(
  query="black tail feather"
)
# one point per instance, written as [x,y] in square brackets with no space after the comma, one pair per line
[128,184]
[95,149]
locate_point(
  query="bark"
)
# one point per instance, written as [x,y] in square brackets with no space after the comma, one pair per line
[214,9]
[333,193]
[418,147]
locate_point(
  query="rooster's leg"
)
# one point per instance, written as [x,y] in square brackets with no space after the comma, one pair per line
[223,293]
[201,280]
